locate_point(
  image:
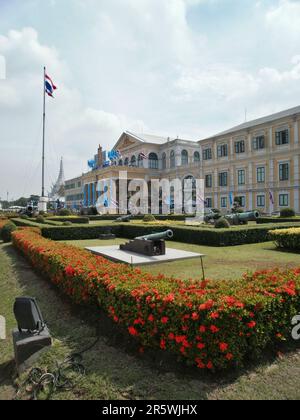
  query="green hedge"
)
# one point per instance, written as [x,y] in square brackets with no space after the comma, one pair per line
[213,325]
[75,220]
[26,223]
[198,236]
[287,238]
[264,220]
[174,217]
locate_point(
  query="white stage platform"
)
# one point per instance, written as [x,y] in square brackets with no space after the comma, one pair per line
[113,253]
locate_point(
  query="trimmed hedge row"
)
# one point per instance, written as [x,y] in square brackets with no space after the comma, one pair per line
[72,219]
[174,217]
[26,223]
[287,238]
[264,220]
[198,236]
[212,324]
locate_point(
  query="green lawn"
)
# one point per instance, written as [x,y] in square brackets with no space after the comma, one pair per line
[115,370]
[227,262]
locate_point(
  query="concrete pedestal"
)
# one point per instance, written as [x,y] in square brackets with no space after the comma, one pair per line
[27,347]
[42,205]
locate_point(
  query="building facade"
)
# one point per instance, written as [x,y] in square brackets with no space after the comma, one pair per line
[256,163]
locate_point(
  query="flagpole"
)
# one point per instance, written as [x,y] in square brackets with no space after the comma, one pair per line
[44,124]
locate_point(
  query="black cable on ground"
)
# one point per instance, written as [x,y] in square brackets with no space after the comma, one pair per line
[57,380]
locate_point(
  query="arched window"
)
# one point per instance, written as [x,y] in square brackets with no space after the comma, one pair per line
[133,161]
[126,162]
[141,160]
[164,161]
[196,157]
[120,162]
[184,158]
[172,159]
[153,161]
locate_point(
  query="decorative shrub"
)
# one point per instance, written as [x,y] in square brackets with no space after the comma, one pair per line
[72,219]
[222,223]
[24,217]
[287,212]
[211,324]
[264,220]
[7,231]
[287,238]
[40,219]
[64,212]
[3,222]
[149,218]
[67,223]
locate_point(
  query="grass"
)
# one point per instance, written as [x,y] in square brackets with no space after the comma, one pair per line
[229,262]
[115,370]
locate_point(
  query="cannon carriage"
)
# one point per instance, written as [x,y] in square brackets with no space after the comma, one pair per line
[150,245]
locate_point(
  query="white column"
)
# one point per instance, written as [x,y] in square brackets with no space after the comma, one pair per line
[216,186]
[271,182]
[250,183]
[271,138]
[296,183]
[296,133]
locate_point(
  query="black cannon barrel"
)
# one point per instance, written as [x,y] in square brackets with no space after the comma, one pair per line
[168,234]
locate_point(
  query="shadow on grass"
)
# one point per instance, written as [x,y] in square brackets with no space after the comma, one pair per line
[115,369]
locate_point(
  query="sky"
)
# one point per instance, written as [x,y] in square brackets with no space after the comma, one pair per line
[186,68]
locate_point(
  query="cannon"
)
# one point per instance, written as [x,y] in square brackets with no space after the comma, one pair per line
[150,245]
[124,219]
[242,218]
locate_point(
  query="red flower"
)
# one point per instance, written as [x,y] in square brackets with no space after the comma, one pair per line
[195,316]
[223,347]
[151,318]
[209,365]
[214,329]
[201,346]
[163,344]
[164,320]
[202,329]
[132,331]
[229,356]
[171,336]
[251,324]
[214,315]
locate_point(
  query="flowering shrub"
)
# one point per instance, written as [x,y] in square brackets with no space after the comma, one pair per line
[211,324]
[287,238]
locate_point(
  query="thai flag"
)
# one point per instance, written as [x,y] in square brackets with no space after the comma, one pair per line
[143,156]
[49,86]
[271,197]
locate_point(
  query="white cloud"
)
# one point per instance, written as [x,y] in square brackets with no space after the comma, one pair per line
[73,130]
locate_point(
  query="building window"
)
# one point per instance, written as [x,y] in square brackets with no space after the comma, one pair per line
[241,177]
[282,137]
[259,143]
[208,181]
[239,146]
[261,201]
[222,150]
[126,162]
[196,157]
[284,172]
[241,201]
[153,161]
[283,200]
[208,203]
[172,159]
[120,162]
[164,161]
[223,179]
[261,174]
[207,154]
[224,202]
[133,161]
[141,160]
[184,158]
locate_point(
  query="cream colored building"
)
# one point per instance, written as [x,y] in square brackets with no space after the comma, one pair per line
[257,161]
